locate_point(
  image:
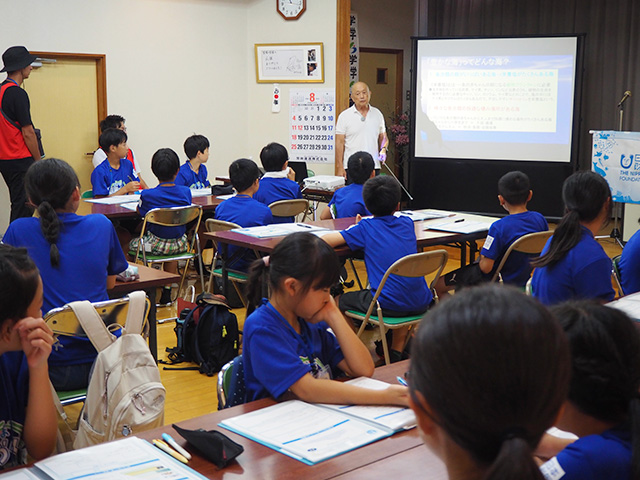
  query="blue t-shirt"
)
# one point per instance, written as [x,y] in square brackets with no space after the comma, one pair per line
[517,270]
[163,196]
[595,457]
[89,252]
[384,241]
[188,178]
[106,180]
[583,273]
[275,356]
[348,201]
[14,393]
[276,189]
[629,265]
[246,212]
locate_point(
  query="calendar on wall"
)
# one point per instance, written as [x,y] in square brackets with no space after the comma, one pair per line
[312,118]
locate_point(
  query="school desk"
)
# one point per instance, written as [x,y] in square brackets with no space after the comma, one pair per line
[258,461]
[425,238]
[208,203]
[150,279]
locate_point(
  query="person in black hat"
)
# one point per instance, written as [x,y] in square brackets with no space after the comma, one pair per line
[18,142]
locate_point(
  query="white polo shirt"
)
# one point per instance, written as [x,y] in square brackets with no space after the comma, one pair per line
[360,136]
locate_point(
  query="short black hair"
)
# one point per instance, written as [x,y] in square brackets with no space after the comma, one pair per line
[514,187]
[111,137]
[273,157]
[381,195]
[19,280]
[360,166]
[195,144]
[112,121]
[165,164]
[242,173]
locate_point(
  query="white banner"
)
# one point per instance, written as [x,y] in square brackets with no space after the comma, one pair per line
[616,156]
[354,49]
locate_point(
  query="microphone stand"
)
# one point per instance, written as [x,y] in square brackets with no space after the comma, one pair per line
[616,234]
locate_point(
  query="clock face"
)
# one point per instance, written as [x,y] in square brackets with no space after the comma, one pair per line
[291,9]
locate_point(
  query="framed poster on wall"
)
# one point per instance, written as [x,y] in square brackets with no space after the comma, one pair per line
[289,63]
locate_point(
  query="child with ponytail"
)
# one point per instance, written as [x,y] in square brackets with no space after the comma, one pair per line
[573,265]
[78,258]
[603,407]
[287,344]
[489,373]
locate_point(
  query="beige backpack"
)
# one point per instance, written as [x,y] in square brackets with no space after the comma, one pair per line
[125,395]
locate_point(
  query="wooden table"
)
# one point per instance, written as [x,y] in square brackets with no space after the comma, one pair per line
[425,238]
[208,203]
[260,462]
[150,279]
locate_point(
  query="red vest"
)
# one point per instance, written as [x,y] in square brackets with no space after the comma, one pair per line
[12,144]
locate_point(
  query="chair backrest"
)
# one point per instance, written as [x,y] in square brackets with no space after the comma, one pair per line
[63,320]
[531,244]
[289,208]
[87,194]
[617,278]
[173,216]
[213,225]
[231,385]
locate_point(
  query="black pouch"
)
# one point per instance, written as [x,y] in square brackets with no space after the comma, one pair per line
[213,445]
[221,190]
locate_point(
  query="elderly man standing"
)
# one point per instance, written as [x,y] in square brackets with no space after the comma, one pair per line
[18,142]
[360,128]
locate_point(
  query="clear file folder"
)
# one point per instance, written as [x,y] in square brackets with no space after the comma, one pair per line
[277,229]
[312,433]
[130,457]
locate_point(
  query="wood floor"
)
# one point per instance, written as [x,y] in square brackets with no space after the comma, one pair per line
[191,394]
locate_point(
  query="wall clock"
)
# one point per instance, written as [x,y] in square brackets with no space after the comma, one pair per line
[291,9]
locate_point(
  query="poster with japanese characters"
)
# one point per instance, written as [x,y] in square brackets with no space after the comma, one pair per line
[616,156]
[312,119]
[289,63]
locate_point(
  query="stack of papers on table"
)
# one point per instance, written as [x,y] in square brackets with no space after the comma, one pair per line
[115,200]
[277,230]
[417,215]
[200,192]
[460,226]
[313,433]
[130,457]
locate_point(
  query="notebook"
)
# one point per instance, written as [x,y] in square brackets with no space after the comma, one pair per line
[312,433]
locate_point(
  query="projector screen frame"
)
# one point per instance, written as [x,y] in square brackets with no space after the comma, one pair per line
[487,171]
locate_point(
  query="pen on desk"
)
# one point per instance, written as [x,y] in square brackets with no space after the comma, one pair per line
[167,449]
[402,381]
[169,439]
[458,221]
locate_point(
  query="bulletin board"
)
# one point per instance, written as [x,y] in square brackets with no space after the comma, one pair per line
[289,63]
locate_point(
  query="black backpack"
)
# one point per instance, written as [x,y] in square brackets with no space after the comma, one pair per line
[207,335]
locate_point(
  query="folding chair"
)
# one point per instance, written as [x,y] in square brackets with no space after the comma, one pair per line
[173,217]
[290,208]
[236,277]
[415,265]
[615,272]
[231,386]
[531,244]
[63,321]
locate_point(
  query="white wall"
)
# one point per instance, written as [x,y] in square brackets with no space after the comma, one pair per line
[393,31]
[317,24]
[175,67]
